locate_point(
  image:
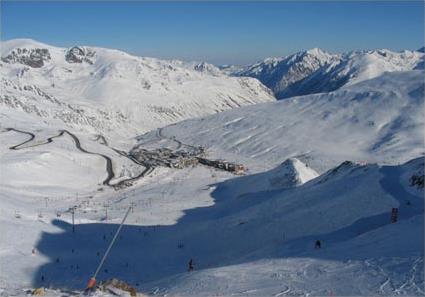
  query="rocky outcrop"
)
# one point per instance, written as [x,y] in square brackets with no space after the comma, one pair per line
[38,292]
[79,55]
[417,181]
[114,286]
[35,57]
[207,68]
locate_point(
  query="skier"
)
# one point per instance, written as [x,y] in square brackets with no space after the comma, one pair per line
[190,265]
[318,244]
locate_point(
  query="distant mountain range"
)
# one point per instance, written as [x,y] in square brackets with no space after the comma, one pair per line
[100,90]
[317,71]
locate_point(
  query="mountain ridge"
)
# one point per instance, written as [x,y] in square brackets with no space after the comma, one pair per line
[316,71]
[105,85]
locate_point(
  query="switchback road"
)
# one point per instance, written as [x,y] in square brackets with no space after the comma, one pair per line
[108,160]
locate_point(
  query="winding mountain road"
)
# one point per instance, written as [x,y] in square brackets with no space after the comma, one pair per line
[109,168]
[160,135]
[108,160]
[16,147]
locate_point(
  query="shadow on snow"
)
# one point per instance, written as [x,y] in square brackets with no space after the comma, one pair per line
[149,253]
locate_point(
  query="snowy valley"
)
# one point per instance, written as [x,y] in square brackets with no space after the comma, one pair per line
[87,133]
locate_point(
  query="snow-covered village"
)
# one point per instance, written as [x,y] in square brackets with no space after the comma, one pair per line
[212,148]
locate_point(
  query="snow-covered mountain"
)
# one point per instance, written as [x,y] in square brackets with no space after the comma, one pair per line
[316,71]
[103,90]
[377,120]
[328,167]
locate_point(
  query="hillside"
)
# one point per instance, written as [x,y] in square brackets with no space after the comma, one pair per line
[108,91]
[260,243]
[378,120]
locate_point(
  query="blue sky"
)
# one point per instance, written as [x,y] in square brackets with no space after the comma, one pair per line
[218,32]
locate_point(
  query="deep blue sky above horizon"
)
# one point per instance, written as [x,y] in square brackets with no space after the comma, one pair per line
[218,32]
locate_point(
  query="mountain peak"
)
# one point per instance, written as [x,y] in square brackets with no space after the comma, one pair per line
[292,172]
[316,51]
[207,68]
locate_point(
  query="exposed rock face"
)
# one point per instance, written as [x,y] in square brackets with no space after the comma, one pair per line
[34,58]
[79,55]
[207,68]
[283,75]
[112,284]
[38,292]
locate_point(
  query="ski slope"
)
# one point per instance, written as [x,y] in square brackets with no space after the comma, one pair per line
[328,167]
[259,243]
[378,120]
